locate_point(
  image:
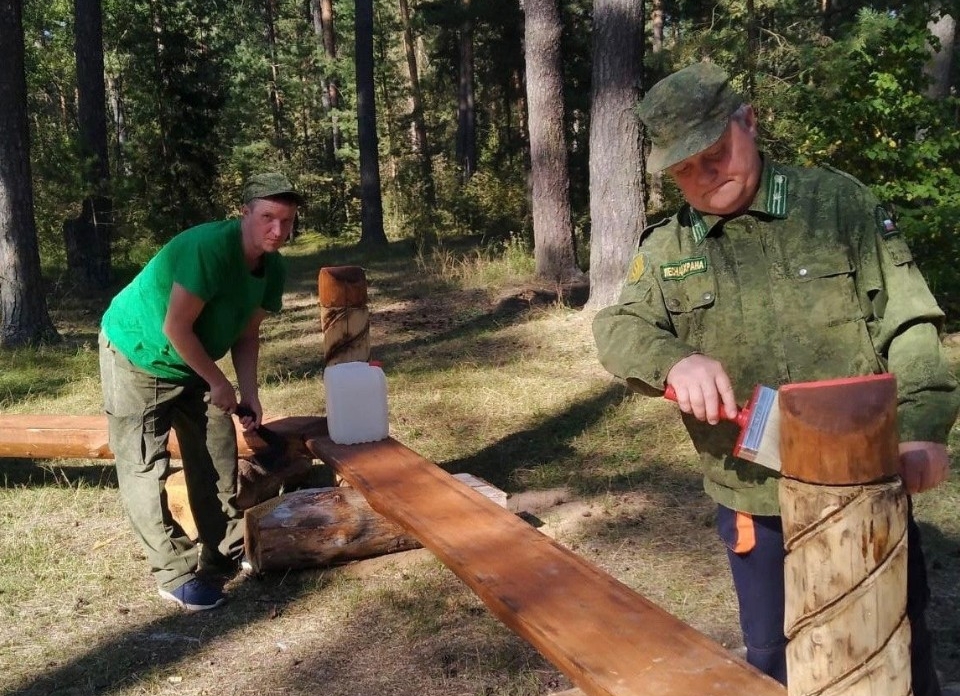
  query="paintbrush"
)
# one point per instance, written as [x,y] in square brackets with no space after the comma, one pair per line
[759,423]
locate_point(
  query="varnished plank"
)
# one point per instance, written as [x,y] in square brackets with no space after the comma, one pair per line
[44,436]
[608,639]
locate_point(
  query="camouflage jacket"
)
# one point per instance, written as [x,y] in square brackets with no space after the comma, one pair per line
[813,282]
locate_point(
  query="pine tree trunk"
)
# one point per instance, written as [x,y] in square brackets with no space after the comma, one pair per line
[371,202]
[418,126]
[655,190]
[939,67]
[466,114]
[88,236]
[617,211]
[554,250]
[323,26]
[276,106]
[23,311]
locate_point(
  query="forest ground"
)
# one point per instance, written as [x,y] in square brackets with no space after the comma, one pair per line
[488,373]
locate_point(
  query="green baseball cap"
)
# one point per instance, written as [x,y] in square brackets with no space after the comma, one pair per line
[687,112]
[270,185]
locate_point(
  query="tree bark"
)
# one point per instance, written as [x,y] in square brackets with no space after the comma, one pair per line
[418,126]
[655,189]
[23,310]
[276,103]
[323,24]
[617,210]
[554,250]
[118,108]
[88,236]
[466,112]
[939,67]
[371,202]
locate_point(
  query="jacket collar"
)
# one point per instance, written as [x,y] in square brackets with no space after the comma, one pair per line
[771,200]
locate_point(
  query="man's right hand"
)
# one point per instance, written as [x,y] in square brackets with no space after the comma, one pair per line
[223,395]
[703,388]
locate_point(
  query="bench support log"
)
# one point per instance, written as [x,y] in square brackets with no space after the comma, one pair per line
[322,526]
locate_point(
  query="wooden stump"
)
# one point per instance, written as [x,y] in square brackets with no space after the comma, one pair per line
[845,570]
[344,317]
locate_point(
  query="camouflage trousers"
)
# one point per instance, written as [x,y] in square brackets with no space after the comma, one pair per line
[141,410]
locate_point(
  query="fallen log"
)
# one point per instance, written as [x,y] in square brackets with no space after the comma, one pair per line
[322,526]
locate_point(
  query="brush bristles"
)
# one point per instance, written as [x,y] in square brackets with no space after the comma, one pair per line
[762,444]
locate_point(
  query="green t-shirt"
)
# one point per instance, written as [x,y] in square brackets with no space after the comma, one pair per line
[208,261]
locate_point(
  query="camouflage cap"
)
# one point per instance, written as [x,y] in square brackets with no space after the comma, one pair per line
[268,185]
[686,113]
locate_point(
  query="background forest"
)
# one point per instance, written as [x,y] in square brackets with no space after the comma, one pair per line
[146,115]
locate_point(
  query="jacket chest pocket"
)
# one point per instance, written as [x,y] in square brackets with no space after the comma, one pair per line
[689,302]
[823,288]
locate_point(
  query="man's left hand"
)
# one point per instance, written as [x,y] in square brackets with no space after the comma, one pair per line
[923,465]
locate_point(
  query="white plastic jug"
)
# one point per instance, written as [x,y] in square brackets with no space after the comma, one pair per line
[356,395]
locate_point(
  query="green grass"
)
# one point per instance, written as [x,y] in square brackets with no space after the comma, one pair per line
[488,373]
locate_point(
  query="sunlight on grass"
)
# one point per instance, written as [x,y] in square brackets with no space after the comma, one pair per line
[499,262]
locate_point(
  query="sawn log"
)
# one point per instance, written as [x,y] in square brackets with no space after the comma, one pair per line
[323,526]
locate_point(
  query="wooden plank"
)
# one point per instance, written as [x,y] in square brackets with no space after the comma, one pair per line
[608,639]
[43,436]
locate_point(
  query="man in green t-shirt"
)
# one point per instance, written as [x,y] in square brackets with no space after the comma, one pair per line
[203,295]
[771,274]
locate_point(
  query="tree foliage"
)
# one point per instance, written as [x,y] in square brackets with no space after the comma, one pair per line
[202,92]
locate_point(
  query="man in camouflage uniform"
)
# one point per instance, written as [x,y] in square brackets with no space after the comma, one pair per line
[768,275]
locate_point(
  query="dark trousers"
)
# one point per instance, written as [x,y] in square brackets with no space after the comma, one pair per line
[755,551]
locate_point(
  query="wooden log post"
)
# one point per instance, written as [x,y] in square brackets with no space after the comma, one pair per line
[344,317]
[844,523]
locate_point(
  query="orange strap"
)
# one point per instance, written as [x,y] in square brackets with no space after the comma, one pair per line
[746,536]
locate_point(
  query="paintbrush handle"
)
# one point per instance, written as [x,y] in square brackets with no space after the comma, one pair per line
[741,419]
[244,411]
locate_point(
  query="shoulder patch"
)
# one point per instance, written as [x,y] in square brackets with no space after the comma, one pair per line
[886,225]
[637,268]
